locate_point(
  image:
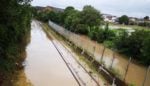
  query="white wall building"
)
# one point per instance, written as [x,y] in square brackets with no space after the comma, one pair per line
[110,18]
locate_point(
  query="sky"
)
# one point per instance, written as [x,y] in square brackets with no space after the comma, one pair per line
[132,8]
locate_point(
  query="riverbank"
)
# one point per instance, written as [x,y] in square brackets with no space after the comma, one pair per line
[11,67]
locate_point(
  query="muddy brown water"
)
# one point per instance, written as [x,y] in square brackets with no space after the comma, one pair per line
[43,65]
[135,74]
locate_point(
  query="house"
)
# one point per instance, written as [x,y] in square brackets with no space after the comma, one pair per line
[109,18]
[133,19]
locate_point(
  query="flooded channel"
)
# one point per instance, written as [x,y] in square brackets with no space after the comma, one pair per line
[43,65]
[49,63]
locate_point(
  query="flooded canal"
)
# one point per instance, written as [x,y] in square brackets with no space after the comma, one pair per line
[44,65]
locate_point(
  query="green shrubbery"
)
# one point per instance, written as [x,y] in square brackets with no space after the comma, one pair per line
[15,17]
[136,45]
[89,22]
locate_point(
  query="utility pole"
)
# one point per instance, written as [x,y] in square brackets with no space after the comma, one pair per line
[94,50]
[146,75]
[127,68]
[112,60]
[113,84]
[101,60]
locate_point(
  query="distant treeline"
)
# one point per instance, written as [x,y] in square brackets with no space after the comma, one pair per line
[15,18]
[90,22]
[124,19]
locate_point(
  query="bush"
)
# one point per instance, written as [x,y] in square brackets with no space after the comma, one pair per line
[136,45]
[95,33]
[15,19]
[100,35]
[146,50]
[82,29]
[108,44]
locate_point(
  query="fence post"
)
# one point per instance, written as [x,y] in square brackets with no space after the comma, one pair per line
[112,60]
[101,60]
[88,44]
[113,84]
[146,75]
[94,51]
[127,68]
[82,51]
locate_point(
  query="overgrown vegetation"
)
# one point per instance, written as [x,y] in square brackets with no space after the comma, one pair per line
[136,45]
[90,22]
[15,17]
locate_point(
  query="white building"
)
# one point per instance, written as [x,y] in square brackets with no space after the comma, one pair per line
[110,18]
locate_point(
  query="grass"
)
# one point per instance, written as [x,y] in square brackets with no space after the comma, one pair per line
[130,26]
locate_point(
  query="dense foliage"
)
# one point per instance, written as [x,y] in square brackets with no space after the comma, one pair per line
[135,45]
[74,20]
[89,22]
[146,18]
[15,19]
[123,20]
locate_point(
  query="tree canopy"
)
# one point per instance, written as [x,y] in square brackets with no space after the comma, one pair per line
[90,16]
[124,20]
[146,18]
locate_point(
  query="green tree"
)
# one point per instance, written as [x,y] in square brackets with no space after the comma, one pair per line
[82,29]
[121,41]
[72,20]
[135,45]
[94,33]
[135,41]
[90,16]
[146,50]
[124,20]
[146,18]
[68,10]
[15,19]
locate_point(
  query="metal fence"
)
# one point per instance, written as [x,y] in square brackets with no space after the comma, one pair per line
[124,68]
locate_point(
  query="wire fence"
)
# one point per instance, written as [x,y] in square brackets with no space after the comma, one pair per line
[123,67]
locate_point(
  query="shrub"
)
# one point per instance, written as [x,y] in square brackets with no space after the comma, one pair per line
[82,29]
